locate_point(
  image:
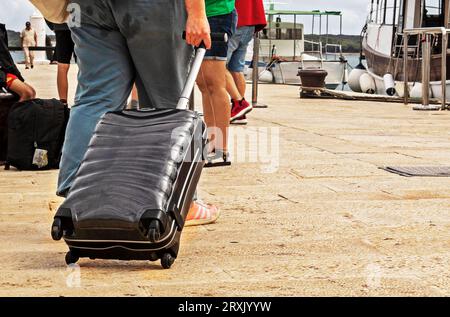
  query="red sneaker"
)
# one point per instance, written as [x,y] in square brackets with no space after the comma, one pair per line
[240,109]
[240,121]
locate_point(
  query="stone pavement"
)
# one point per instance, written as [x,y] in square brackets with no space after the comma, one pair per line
[321,219]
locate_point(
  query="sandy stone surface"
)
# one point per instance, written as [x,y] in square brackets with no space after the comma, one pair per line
[322,219]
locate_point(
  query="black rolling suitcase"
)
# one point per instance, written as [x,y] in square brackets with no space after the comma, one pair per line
[135,185]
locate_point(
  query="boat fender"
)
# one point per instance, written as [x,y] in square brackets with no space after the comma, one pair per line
[416,91]
[354,77]
[345,78]
[266,76]
[389,84]
[367,84]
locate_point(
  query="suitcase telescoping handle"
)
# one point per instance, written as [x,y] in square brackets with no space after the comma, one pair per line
[183,103]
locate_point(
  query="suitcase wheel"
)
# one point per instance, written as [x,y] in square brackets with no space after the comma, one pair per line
[154,231]
[71,258]
[57,230]
[167,260]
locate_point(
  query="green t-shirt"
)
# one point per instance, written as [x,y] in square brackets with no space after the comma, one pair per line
[219,7]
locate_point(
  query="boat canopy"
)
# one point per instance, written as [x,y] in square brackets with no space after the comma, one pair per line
[314,12]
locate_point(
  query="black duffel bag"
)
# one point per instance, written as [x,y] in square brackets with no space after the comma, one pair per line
[7,100]
[36,131]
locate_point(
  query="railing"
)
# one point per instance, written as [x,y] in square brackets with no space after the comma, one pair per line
[336,50]
[313,51]
[32,48]
[426,34]
[313,46]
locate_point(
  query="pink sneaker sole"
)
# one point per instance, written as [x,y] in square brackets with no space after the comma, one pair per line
[203,217]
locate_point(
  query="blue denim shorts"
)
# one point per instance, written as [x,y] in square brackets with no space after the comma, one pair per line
[221,24]
[237,48]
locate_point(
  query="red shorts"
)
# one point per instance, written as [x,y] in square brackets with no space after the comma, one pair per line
[9,80]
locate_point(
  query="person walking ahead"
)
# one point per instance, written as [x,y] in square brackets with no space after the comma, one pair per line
[251,19]
[212,81]
[29,39]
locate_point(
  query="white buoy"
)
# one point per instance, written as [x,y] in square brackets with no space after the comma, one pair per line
[345,78]
[266,76]
[38,24]
[277,74]
[389,84]
[400,89]
[416,91]
[354,77]
[367,84]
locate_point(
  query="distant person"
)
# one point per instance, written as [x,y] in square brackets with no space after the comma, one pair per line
[10,78]
[251,19]
[29,39]
[212,82]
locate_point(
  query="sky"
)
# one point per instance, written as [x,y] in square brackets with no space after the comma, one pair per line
[14,13]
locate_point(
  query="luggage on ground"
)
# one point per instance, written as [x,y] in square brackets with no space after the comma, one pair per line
[36,130]
[7,100]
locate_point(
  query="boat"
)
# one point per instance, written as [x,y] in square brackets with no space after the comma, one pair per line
[397,30]
[284,49]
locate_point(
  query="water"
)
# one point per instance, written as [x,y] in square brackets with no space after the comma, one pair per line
[18,57]
[353,61]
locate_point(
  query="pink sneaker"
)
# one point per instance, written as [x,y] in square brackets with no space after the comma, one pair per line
[201,214]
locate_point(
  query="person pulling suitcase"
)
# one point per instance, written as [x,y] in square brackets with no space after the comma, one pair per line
[144,167]
[112,46]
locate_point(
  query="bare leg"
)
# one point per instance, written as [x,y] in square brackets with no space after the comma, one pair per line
[31,58]
[232,89]
[214,76]
[63,82]
[134,94]
[134,102]
[208,110]
[25,91]
[26,52]
[240,82]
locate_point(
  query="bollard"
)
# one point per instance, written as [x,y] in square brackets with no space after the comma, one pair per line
[444,70]
[405,69]
[255,75]
[426,60]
